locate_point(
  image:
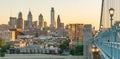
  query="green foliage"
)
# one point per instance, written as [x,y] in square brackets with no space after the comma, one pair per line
[64,46]
[77,51]
[3,47]
[79,41]
[2,42]
[72,52]
[2,54]
[66,42]
[8,46]
[60,51]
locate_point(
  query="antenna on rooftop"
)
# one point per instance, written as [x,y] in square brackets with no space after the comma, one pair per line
[10,12]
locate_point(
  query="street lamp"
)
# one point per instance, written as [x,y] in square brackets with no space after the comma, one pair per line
[101,26]
[111,11]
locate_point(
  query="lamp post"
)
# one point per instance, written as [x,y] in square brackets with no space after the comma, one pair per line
[111,11]
[101,27]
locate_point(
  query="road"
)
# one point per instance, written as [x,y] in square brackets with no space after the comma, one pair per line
[96,55]
[95,52]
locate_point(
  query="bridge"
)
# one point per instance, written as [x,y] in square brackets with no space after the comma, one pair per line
[107,40]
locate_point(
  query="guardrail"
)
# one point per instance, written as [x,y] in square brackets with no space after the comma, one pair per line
[108,42]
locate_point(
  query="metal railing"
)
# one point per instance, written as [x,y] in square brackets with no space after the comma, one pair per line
[108,42]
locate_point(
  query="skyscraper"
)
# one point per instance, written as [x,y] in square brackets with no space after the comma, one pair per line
[52,25]
[12,22]
[29,19]
[25,24]
[20,21]
[58,22]
[35,24]
[41,21]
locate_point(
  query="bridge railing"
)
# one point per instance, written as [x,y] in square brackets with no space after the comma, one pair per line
[108,41]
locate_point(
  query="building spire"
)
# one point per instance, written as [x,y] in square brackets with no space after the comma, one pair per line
[58,18]
[20,15]
[52,18]
[30,12]
[58,22]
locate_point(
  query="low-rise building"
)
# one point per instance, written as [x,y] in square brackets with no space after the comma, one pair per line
[9,36]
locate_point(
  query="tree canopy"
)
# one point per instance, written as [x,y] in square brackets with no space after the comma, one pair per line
[2,42]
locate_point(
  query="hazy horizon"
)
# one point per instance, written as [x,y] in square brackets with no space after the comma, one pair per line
[70,11]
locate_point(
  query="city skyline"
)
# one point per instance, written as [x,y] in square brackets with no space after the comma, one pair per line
[71,11]
[63,29]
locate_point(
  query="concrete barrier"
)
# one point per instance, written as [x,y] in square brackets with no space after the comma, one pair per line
[38,56]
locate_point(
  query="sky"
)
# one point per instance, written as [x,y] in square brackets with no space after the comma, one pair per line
[70,11]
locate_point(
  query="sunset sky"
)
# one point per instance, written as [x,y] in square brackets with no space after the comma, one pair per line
[71,11]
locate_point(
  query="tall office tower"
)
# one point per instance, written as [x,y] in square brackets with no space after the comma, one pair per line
[41,21]
[20,21]
[25,24]
[52,25]
[12,22]
[35,24]
[29,19]
[58,22]
[105,15]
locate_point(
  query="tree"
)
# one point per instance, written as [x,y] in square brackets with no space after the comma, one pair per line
[72,52]
[64,46]
[78,49]
[5,47]
[2,42]
[66,42]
